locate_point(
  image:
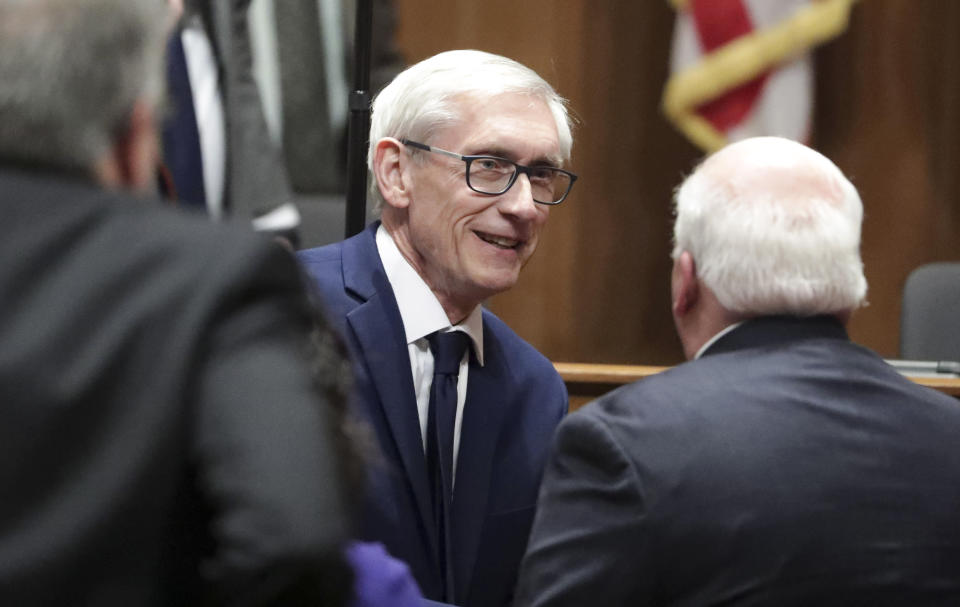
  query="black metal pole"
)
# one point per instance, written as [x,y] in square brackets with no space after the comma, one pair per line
[359,126]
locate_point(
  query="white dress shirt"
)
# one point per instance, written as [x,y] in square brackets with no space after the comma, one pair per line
[703,349]
[422,315]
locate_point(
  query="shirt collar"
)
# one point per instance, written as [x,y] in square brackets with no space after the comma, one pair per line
[714,339]
[420,310]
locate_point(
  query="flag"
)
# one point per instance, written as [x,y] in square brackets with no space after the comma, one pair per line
[742,68]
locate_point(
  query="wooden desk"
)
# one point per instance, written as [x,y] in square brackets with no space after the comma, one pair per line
[586,381]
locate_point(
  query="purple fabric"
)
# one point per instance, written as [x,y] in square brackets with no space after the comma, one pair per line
[379,579]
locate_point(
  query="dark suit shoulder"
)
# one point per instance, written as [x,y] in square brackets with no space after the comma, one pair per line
[744,405]
[324,265]
[656,392]
[324,254]
[62,219]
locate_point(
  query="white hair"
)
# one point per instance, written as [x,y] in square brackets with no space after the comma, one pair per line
[70,73]
[773,228]
[423,98]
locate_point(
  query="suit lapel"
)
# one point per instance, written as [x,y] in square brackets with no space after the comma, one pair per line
[483,417]
[377,325]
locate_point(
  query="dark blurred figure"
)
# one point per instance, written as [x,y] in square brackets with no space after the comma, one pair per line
[216,145]
[164,439]
[315,52]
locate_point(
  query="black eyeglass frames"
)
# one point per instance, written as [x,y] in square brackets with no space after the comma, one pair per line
[493,175]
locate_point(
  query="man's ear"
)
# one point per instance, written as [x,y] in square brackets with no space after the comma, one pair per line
[685,285]
[136,150]
[390,166]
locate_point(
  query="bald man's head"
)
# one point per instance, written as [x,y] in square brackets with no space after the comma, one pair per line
[785,170]
[773,228]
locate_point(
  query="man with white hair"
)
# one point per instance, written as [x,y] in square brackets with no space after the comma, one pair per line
[466,150]
[783,465]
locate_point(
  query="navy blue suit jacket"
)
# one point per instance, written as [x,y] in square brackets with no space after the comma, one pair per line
[787,466]
[514,403]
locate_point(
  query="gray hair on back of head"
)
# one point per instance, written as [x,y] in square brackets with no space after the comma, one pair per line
[70,74]
[790,248]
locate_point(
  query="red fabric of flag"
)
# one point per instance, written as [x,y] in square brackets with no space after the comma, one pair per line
[718,22]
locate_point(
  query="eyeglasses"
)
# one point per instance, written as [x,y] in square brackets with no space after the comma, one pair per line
[494,176]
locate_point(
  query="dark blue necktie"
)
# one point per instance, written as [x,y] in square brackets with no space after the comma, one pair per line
[447,349]
[181,138]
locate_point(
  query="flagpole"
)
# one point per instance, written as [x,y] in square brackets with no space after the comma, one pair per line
[359,125]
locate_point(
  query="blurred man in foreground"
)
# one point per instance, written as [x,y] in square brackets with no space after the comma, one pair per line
[784,465]
[163,440]
[466,150]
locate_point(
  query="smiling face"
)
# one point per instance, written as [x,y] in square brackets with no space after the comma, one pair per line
[469,246]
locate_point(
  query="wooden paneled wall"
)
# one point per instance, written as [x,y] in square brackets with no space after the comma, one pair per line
[888,113]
